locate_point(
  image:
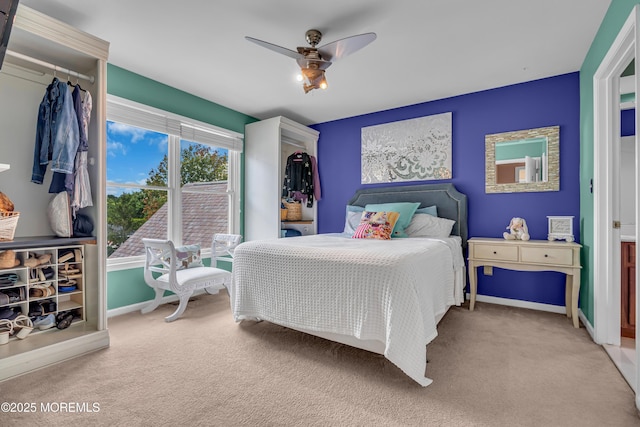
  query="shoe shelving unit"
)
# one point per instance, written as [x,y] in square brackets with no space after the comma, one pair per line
[42,286]
[58,271]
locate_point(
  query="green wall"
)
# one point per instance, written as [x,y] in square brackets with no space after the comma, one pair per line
[135,87]
[616,16]
[126,287]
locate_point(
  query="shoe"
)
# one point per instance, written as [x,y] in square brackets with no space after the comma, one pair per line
[67,286]
[8,313]
[15,294]
[42,290]
[67,256]
[64,320]
[42,308]
[45,322]
[33,261]
[69,270]
[8,279]
[22,326]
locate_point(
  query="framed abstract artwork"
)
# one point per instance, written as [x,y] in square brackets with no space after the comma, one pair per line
[407,150]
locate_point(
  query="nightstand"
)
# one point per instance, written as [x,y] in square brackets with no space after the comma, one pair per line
[530,255]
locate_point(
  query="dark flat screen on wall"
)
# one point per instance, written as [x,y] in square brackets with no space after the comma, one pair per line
[7,14]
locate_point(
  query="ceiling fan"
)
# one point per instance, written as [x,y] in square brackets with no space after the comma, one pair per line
[313,61]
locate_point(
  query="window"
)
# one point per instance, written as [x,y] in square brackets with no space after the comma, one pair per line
[167,177]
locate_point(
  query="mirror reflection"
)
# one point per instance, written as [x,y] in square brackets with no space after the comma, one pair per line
[526,160]
[523,160]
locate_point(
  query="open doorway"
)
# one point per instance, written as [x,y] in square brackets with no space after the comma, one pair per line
[608,234]
[624,355]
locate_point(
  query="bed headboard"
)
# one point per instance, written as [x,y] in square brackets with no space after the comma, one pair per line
[450,202]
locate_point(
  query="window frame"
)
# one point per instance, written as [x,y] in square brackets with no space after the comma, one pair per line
[177,128]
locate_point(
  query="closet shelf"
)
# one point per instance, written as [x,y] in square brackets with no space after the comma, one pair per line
[44,241]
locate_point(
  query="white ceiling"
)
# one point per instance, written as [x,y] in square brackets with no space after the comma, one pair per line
[425,50]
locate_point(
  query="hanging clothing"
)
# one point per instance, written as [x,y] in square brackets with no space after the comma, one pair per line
[82,186]
[78,105]
[298,177]
[56,132]
[66,181]
[316,178]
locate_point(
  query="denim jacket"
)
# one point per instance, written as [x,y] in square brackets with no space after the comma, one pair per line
[57,134]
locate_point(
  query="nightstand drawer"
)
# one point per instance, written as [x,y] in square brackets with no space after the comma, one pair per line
[495,252]
[555,256]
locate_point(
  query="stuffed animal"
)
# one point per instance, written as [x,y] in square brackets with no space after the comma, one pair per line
[517,230]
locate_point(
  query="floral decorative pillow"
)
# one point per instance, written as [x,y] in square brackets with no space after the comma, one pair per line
[404,209]
[376,225]
[187,257]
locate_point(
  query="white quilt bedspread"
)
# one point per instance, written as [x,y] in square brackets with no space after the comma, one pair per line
[391,291]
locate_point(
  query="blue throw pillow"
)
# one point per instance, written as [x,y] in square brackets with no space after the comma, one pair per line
[405,209]
[431,210]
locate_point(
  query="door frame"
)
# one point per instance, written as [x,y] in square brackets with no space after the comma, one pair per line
[606,197]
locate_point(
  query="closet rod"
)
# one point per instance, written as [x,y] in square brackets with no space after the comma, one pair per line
[286,140]
[53,67]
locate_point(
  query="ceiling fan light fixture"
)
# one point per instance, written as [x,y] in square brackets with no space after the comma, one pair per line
[314,60]
[323,83]
[313,78]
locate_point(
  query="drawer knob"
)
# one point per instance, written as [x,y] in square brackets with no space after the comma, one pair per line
[545,255]
[494,252]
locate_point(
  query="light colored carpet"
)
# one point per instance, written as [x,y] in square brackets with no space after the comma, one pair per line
[496,366]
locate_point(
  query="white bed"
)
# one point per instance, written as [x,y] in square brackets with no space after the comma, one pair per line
[385,296]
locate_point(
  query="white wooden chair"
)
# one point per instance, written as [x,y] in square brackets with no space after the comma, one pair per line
[161,258]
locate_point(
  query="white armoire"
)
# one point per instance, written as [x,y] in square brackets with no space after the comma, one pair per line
[41,48]
[268,144]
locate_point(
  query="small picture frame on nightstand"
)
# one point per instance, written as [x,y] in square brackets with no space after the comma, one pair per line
[560,228]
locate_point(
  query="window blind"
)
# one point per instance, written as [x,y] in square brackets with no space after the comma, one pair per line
[128,112]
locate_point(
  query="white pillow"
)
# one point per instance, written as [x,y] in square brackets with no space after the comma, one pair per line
[352,219]
[59,214]
[425,225]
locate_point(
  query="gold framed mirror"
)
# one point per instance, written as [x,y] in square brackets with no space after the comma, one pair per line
[524,160]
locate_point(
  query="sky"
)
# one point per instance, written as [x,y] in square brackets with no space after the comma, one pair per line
[133,152]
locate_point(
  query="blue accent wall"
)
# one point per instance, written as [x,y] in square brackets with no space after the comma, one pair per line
[628,122]
[540,103]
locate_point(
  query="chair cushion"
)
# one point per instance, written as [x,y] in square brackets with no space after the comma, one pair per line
[199,274]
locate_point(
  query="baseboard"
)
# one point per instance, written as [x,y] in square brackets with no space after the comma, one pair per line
[43,357]
[535,306]
[586,324]
[138,306]
[521,304]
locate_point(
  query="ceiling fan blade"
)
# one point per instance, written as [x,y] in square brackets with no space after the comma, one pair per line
[283,50]
[346,46]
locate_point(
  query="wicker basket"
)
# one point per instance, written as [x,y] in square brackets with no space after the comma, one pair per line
[8,223]
[283,214]
[294,211]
